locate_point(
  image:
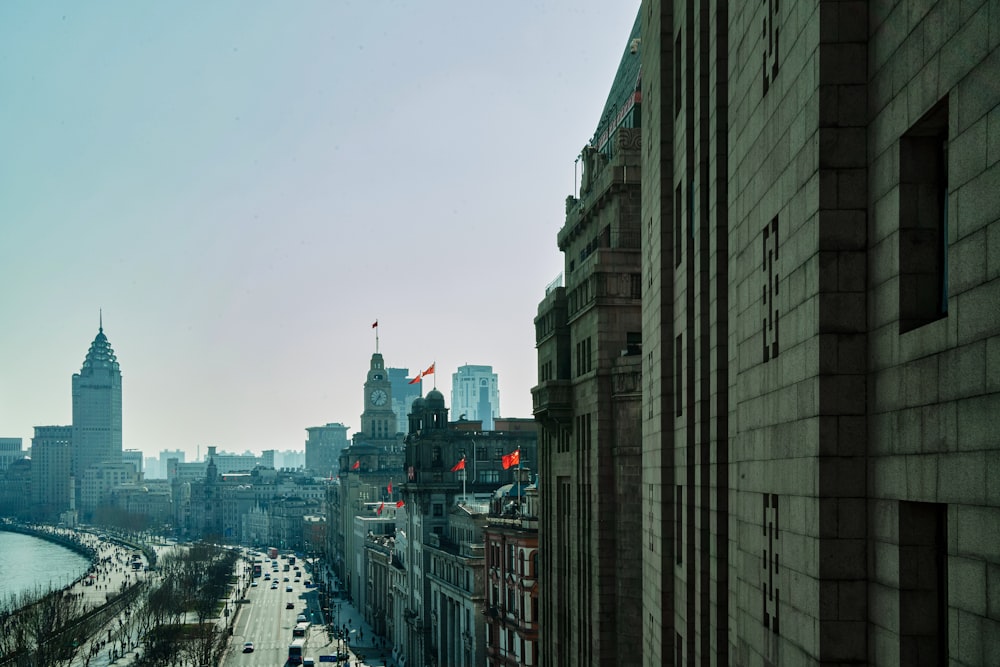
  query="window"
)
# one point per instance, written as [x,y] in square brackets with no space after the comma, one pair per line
[633,343]
[679,526]
[438,509]
[923,577]
[678,71]
[923,220]
[678,221]
[678,376]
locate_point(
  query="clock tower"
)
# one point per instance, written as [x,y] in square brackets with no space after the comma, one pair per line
[378,421]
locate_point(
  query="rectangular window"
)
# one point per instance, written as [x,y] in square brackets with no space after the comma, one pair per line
[923,220]
[923,578]
[678,70]
[679,376]
[678,225]
[679,525]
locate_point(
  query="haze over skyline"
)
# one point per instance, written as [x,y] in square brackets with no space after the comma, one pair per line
[244,187]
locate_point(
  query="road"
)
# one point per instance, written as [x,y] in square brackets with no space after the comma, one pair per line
[264,619]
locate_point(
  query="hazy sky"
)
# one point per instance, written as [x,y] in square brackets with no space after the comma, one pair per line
[244,187]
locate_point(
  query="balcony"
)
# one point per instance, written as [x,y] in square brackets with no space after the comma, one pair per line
[552,401]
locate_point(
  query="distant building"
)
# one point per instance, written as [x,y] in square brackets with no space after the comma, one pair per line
[16,491]
[52,470]
[133,456]
[474,395]
[447,463]
[99,480]
[323,447]
[403,393]
[97,408]
[267,458]
[10,451]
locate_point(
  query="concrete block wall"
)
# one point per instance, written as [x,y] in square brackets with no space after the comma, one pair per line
[934,398]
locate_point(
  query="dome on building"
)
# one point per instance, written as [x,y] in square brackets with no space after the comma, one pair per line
[417,406]
[434,400]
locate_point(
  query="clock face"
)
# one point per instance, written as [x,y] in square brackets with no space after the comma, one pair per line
[378,397]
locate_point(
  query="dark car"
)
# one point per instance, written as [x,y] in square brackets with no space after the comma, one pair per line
[289,605]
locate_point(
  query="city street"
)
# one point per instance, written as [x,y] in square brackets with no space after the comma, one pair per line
[264,620]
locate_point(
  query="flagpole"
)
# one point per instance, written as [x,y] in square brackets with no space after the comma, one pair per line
[519,479]
[465,498]
[376,336]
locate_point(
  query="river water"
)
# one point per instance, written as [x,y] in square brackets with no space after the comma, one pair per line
[33,564]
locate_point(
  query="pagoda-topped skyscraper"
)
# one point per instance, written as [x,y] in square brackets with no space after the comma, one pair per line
[97,407]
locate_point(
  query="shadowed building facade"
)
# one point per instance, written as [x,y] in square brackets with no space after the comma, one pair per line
[821,332]
[587,402]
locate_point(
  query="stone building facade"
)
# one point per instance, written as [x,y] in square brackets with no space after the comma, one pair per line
[512,586]
[588,337]
[435,484]
[820,332]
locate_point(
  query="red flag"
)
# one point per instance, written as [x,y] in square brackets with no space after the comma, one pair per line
[375,324]
[357,464]
[458,466]
[429,371]
[512,459]
[390,487]
[379,510]
[416,379]
[399,503]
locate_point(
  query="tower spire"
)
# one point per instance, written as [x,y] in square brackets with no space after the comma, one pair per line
[100,319]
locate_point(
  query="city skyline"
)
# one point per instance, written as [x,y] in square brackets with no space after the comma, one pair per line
[215,201]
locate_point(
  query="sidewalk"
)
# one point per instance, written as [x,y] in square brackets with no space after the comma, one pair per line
[375,651]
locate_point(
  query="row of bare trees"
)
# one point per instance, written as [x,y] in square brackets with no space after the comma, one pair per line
[172,619]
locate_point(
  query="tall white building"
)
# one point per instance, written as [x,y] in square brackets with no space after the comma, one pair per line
[97,408]
[474,395]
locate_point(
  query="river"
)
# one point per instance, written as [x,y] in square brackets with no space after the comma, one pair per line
[33,564]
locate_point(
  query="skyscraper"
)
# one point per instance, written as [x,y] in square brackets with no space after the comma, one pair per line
[97,408]
[474,394]
[403,394]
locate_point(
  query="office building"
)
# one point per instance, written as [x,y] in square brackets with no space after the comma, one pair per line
[10,451]
[403,393]
[134,457]
[97,408]
[474,395]
[588,399]
[323,447]
[52,470]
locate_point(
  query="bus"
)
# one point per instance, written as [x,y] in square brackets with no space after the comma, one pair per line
[256,569]
[296,651]
[291,560]
[300,629]
[272,552]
